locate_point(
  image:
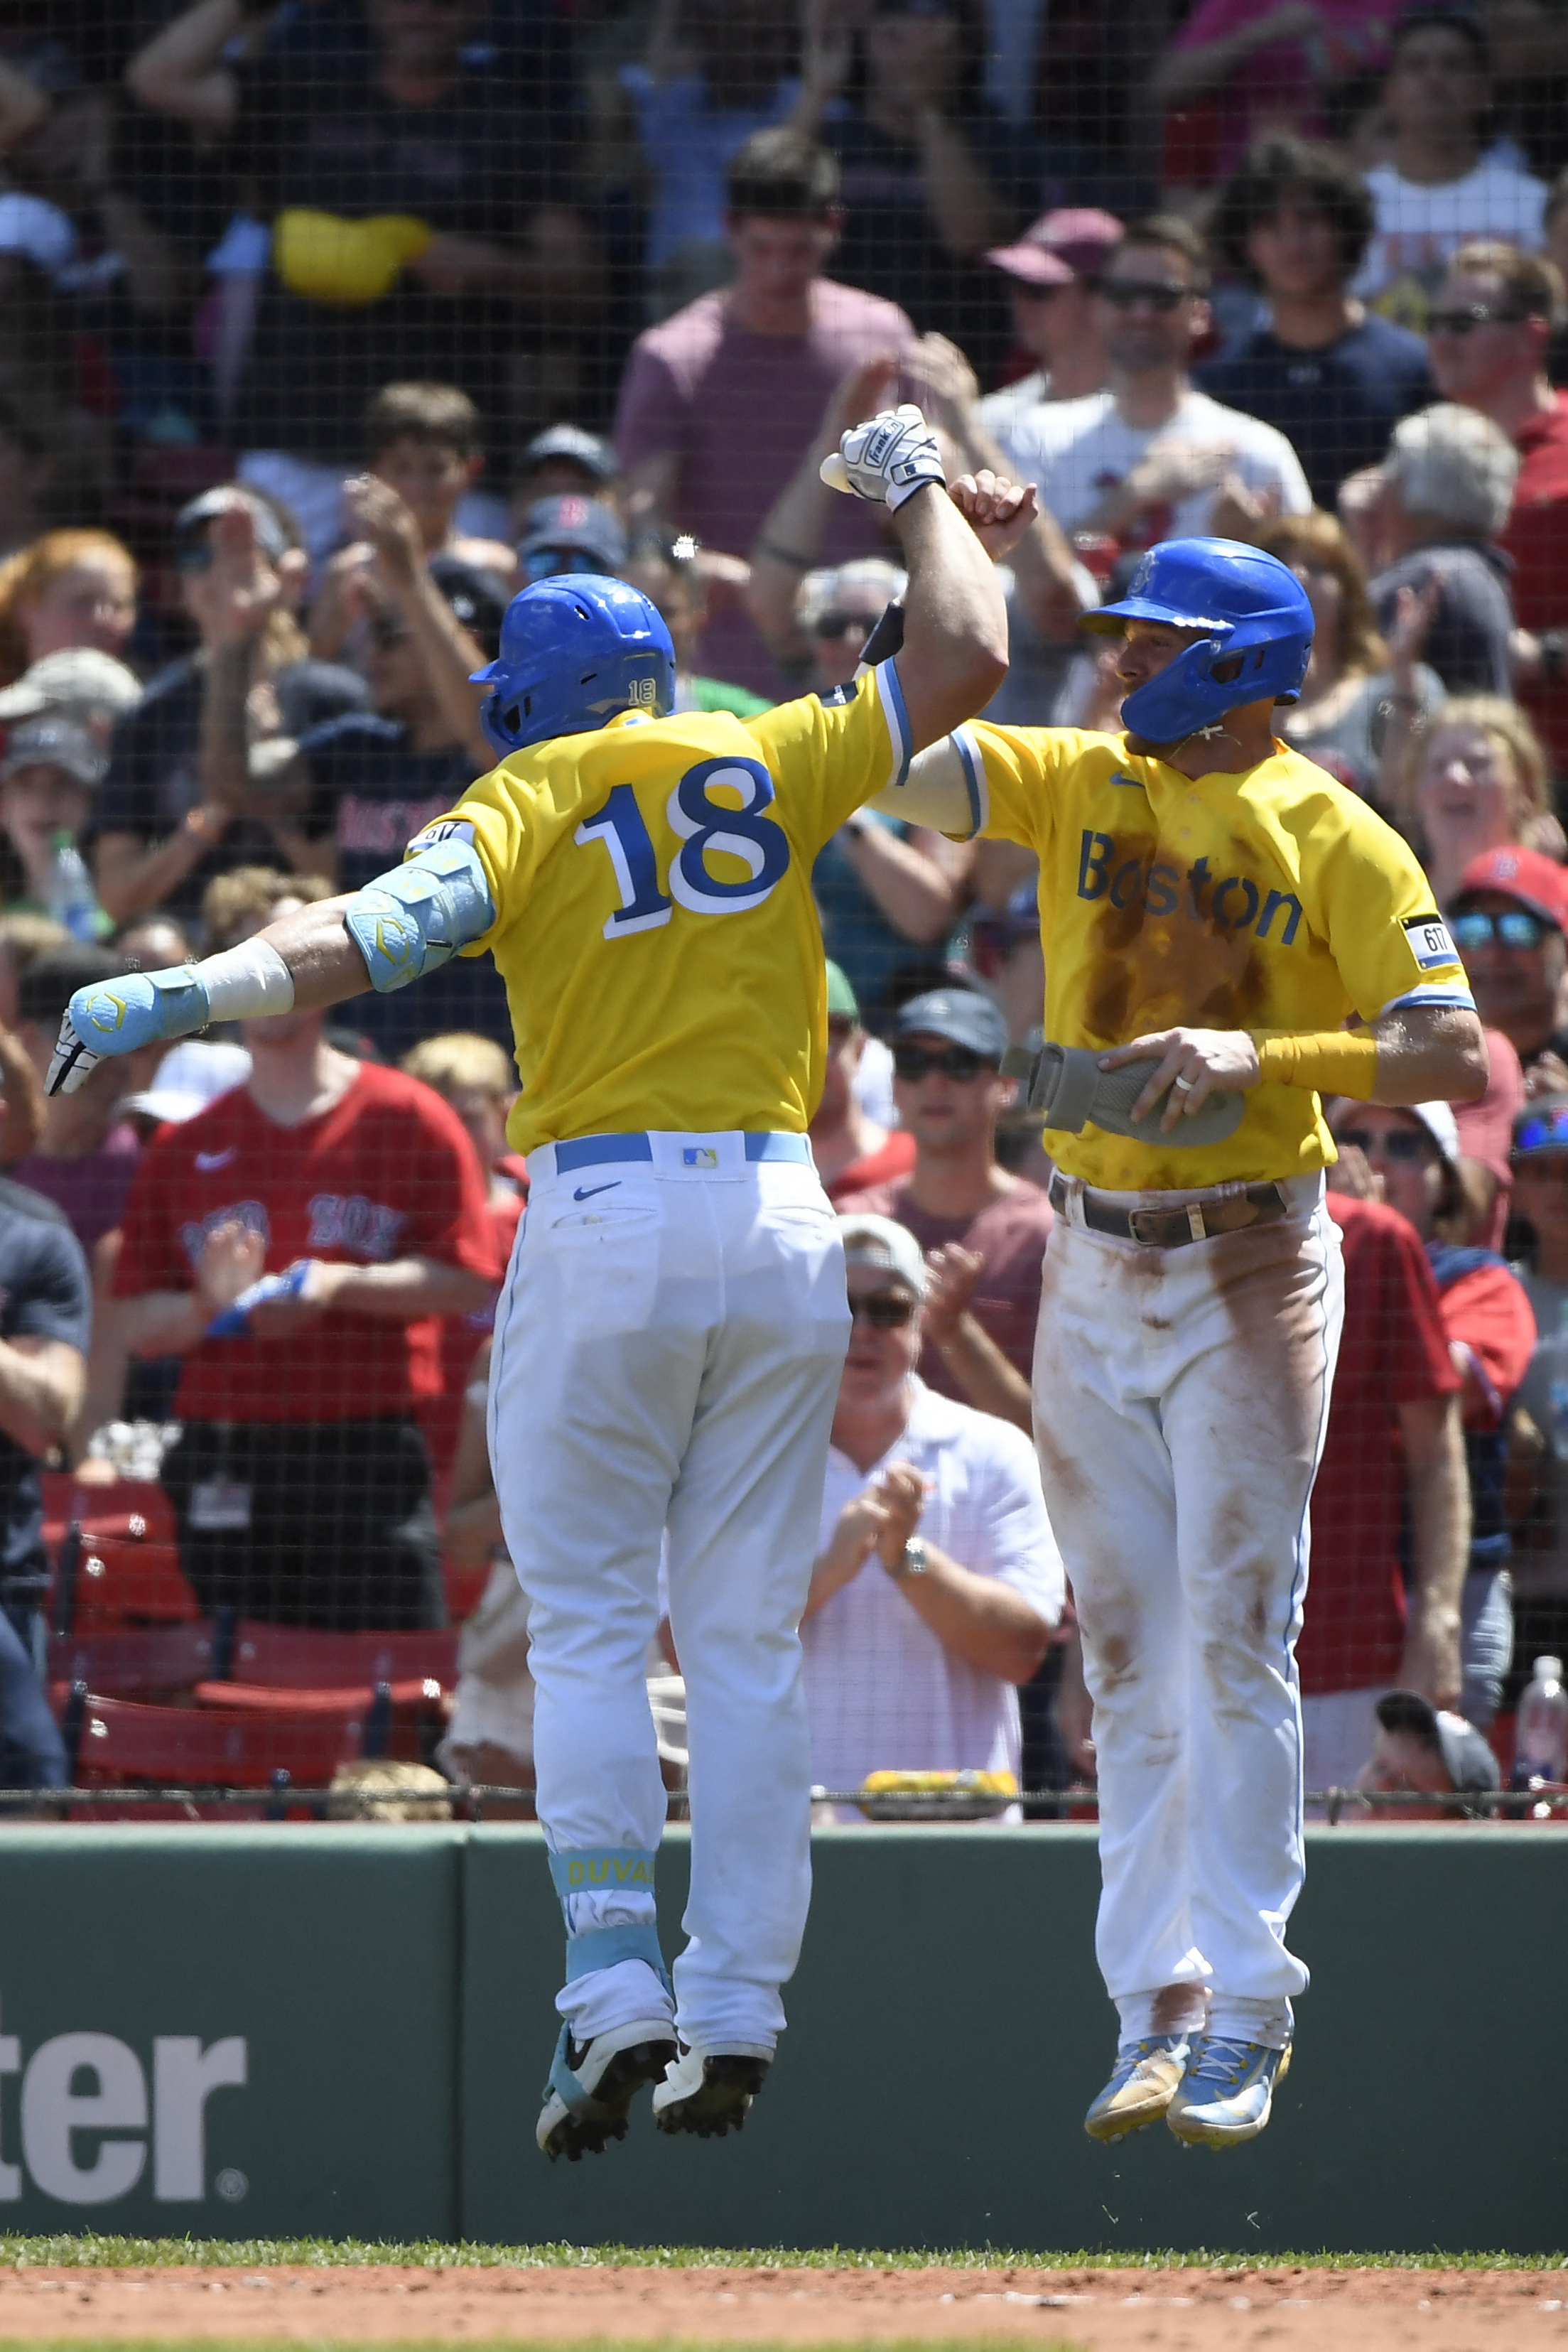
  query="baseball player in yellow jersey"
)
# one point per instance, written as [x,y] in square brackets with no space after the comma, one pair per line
[1213,909]
[672,1327]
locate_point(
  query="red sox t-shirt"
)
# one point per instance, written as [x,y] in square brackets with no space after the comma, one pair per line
[1394,1351]
[388,1172]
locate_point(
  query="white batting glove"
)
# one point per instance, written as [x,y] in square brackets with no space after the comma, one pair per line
[886,460]
[73,1063]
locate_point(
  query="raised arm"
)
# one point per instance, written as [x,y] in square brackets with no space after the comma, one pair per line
[399,927]
[956,623]
[185,69]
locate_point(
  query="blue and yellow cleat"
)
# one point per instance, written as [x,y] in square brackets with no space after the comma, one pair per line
[1143,2082]
[1227,2093]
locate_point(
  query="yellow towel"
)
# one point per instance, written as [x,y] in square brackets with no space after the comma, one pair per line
[348,262]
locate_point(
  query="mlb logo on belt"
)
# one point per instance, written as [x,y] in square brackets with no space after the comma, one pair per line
[699,1155]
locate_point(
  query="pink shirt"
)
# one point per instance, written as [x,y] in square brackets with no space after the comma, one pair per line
[1281,86]
[1009,1233]
[738,411]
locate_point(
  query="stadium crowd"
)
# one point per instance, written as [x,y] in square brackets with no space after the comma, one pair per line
[328,324]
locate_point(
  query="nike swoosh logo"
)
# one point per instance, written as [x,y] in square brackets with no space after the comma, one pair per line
[1131,782]
[587,1191]
[207,1161]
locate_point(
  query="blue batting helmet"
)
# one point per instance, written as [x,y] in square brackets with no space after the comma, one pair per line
[575,649]
[1259,619]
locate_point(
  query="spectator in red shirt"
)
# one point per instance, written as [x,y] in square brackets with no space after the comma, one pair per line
[983,1230]
[1415,1154]
[300,1480]
[477,1080]
[772,347]
[1490,328]
[1394,1432]
[853,1152]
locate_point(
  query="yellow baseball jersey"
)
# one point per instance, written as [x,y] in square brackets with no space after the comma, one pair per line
[1275,899]
[655,922]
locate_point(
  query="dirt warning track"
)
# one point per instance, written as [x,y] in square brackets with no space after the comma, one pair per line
[1284,2308]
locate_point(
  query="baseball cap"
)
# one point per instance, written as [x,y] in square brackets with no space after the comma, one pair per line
[1468,1760]
[191,1076]
[576,446]
[1061,246]
[1536,881]
[572,534]
[193,518]
[38,230]
[959,1014]
[476,597]
[89,684]
[841,998]
[1541,1126]
[56,742]
[311,692]
[1438,1118]
[882,1242]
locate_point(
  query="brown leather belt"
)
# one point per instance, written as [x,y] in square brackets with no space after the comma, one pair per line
[1193,1221]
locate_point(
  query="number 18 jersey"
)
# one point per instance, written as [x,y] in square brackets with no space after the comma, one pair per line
[655,922]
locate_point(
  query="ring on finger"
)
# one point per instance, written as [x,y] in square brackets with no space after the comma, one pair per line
[1184,1086]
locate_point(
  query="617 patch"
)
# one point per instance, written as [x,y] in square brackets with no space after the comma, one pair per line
[1429,941]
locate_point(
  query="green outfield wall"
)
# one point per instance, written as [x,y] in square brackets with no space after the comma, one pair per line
[262,2031]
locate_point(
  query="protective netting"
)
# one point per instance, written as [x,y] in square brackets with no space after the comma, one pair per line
[330,324]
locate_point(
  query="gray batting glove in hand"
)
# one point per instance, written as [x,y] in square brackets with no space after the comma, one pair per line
[73,1063]
[886,460]
[1067,1084]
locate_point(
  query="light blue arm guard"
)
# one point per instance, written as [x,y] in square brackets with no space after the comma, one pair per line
[139,1008]
[414,920]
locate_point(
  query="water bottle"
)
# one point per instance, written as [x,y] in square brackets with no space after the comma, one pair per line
[72,900]
[1541,1737]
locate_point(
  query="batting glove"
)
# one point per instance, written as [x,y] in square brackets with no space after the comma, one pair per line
[886,460]
[73,1063]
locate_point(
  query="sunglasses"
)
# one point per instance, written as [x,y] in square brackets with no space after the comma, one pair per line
[1474,314]
[1544,1131]
[1127,293]
[545,563]
[1514,928]
[833,625]
[386,634]
[913,1063]
[1403,1145]
[194,554]
[884,1310]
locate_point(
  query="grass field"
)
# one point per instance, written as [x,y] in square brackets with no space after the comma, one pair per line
[89,2251]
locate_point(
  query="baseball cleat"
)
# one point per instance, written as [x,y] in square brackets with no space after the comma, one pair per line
[592,2085]
[708,2093]
[1143,2082]
[1227,2093]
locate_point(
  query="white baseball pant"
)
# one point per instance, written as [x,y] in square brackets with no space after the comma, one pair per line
[1181,1398]
[667,1353]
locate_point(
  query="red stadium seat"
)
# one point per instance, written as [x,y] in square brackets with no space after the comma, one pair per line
[118,1743]
[403,1720]
[133,1662]
[298,1658]
[117,1562]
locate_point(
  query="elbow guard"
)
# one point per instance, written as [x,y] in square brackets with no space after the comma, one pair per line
[414,920]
